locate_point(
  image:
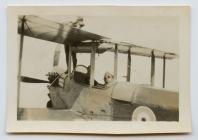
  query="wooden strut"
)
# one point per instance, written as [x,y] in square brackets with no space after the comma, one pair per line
[164,71]
[68,53]
[129,66]
[152,68]
[69,62]
[20,60]
[116,62]
[92,64]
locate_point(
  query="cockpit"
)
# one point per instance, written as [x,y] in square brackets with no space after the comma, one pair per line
[82,76]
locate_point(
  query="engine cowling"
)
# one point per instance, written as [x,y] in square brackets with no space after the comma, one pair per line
[146,95]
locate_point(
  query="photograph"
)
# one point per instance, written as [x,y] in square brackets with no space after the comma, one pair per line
[99,67]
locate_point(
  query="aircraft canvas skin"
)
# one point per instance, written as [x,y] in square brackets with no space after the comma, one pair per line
[120,101]
[76,95]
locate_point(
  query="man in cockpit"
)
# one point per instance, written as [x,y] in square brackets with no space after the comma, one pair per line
[108,79]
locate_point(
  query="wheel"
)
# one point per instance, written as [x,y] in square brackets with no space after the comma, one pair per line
[143,113]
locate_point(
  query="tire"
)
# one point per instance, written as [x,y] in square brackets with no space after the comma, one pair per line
[143,113]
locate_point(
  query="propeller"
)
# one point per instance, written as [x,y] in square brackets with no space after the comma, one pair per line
[56,56]
[55,64]
[27,79]
[32,80]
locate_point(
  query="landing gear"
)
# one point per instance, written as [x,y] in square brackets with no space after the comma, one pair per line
[143,113]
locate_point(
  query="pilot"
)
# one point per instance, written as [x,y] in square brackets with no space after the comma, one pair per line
[108,79]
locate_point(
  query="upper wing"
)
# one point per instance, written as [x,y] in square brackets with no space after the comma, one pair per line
[124,47]
[52,31]
[56,32]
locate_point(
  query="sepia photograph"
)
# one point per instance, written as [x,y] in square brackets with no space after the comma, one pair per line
[99,68]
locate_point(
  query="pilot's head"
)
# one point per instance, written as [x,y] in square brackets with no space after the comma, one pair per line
[108,78]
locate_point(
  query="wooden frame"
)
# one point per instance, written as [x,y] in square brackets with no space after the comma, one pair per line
[164,71]
[116,62]
[129,66]
[92,64]
[20,60]
[152,68]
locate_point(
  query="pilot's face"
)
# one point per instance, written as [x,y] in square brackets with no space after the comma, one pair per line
[108,78]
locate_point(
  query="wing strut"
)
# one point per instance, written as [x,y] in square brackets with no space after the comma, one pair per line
[69,61]
[116,62]
[152,68]
[164,71]
[129,66]
[68,50]
[92,63]
[20,59]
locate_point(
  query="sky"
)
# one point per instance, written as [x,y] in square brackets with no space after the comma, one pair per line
[156,32]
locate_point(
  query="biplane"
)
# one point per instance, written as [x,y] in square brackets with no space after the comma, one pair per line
[76,91]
